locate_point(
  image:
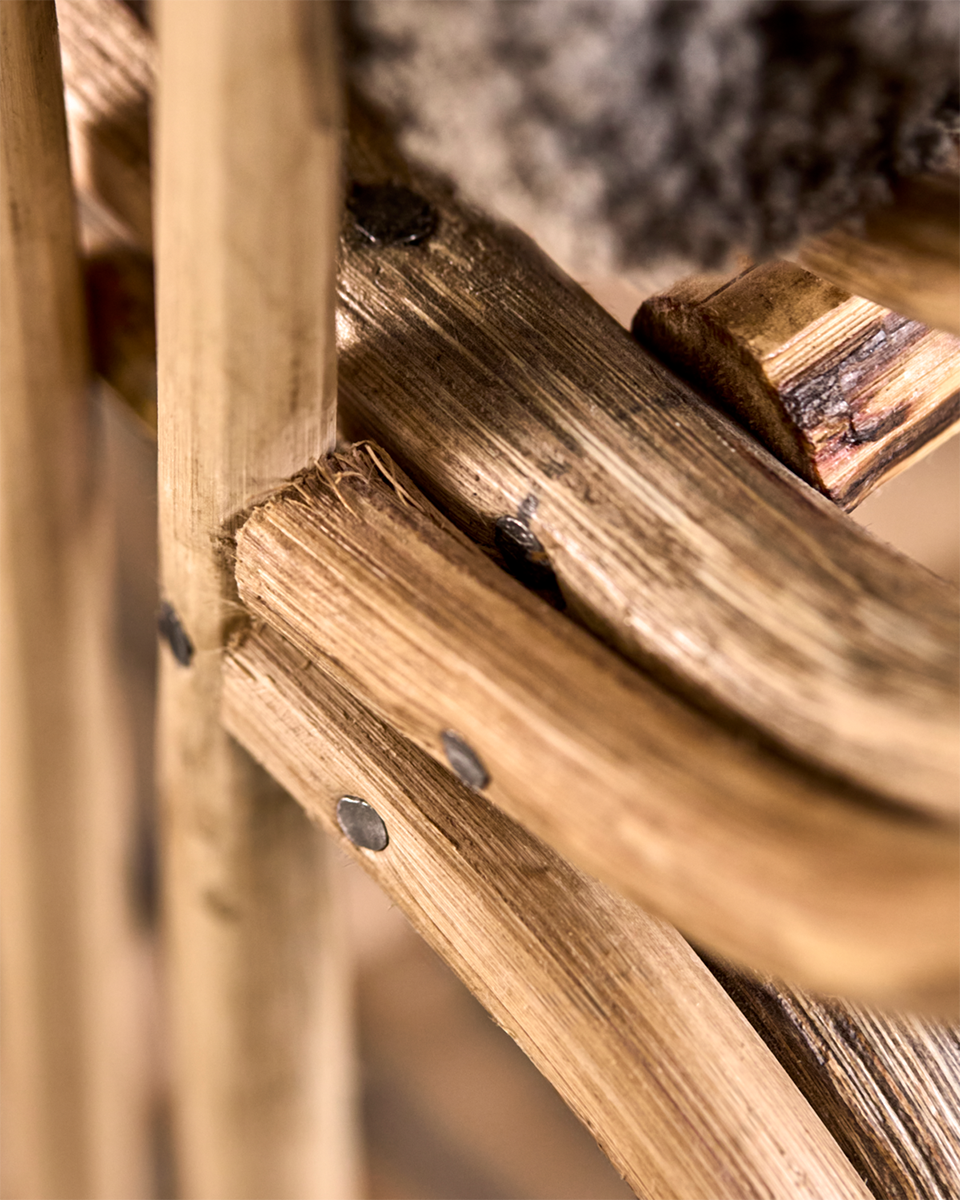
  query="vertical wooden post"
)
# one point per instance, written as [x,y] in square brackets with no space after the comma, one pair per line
[248,158]
[74,1079]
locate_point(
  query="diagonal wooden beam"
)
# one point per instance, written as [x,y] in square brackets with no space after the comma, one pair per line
[611,1004]
[766,862]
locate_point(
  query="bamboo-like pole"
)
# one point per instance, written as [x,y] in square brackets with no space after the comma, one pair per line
[248,201]
[74,1077]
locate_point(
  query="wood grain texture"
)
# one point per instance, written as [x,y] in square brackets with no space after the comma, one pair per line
[502,388]
[842,390]
[762,861]
[887,1087]
[611,1004]
[75,1083]
[248,178]
[904,255]
[109,65]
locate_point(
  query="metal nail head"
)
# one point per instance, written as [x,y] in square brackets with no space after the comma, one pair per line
[523,553]
[174,634]
[389,215]
[361,823]
[464,761]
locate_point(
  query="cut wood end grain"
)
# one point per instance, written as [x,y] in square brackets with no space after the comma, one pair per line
[841,389]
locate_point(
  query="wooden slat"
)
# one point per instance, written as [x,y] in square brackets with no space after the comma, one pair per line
[763,861]
[248,177]
[611,1004]
[502,388]
[904,255]
[75,1079]
[842,390]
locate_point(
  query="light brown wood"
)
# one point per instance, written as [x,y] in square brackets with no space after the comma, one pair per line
[842,390]
[248,178]
[109,65]
[887,1087]
[502,388]
[75,1083]
[904,255]
[611,1004]
[765,862]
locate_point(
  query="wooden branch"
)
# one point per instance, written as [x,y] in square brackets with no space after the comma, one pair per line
[766,863]
[842,390]
[887,1088]
[75,1080]
[904,255]
[503,389]
[609,1003]
[248,178]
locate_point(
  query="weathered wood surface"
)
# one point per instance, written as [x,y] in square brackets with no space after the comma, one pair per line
[887,1087]
[610,1003]
[502,388]
[759,859]
[74,1081]
[842,390]
[109,65]
[248,179]
[904,255]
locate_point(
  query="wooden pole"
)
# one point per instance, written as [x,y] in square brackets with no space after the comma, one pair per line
[248,178]
[74,1076]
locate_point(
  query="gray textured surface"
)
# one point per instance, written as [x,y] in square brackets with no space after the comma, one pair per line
[630,131]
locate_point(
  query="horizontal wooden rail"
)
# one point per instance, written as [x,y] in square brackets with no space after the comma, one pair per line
[761,860]
[611,1004]
[904,255]
[508,394]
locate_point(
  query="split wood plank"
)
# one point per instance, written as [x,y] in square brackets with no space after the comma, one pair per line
[842,390]
[767,863]
[611,1004]
[904,255]
[75,1078]
[248,179]
[887,1087]
[506,392]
